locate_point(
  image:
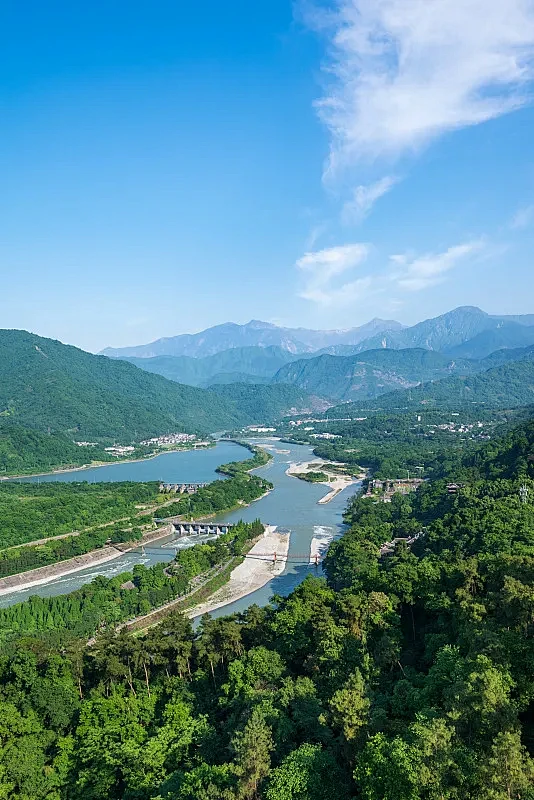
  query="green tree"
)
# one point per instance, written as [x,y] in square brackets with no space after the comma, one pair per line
[252,746]
[308,773]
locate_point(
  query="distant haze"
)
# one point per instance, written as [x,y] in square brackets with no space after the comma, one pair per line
[453,329]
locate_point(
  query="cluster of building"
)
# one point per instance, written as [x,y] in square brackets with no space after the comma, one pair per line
[455,427]
[296,423]
[180,488]
[86,444]
[256,429]
[325,436]
[170,438]
[119,450]
[386,489]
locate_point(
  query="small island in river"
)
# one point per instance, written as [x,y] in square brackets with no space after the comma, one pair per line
[325,472]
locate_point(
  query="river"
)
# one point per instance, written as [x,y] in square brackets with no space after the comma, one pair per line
[292,504]
[180,466]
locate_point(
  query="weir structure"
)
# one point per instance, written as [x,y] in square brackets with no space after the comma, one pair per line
[200,528]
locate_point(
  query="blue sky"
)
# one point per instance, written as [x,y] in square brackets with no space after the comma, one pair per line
[167,166]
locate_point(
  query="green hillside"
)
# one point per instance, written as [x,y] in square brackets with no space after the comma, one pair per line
[235,377]
[262,403]
[403,672]
[370,374]
[241,362]
[49,386]
[23,450]
[508,386]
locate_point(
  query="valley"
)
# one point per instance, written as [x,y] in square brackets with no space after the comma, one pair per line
[267,400]
[309,596]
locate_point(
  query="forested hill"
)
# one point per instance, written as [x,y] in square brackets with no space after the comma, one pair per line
[508,457]
[508,386]
[252,362]
[23,450]
[260,402]
[371,373]
[47,385]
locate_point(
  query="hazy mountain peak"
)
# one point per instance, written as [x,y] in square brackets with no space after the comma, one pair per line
[255,333]
[443,333]
[258,324]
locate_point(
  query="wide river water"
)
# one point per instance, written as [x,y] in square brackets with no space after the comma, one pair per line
[292,504]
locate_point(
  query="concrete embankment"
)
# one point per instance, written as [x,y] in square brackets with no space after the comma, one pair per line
[42,575]
[37,577]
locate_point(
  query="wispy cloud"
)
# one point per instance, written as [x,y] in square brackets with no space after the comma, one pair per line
[402,272]
[523,218]
[320,270]
[365,197]
[315,234]
[416,273]
[404,72]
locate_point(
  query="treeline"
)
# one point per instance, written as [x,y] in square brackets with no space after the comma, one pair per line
[312,477]
[31,511]
[406,677]
[196,560]
[240,488]
[259,458]
[106,602]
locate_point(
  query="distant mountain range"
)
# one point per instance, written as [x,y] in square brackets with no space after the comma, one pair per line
[253,334]
[52,395]
[462,342]
[465,332]
[373,373]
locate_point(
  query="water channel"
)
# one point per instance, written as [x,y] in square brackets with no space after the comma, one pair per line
[292,504]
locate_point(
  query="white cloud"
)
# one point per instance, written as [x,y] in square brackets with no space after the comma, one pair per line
[321,268]
[347,294]
[406,272]
[523,218]
[427,270]
[365,197]
[404,72]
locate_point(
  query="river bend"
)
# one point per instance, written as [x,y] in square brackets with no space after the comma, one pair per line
[292,504]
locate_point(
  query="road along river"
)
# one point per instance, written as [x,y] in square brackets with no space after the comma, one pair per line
[293,504]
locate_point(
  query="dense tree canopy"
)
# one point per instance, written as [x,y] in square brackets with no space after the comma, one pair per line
[31,511]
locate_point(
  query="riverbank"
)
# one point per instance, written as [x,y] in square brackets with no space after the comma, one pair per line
[45,574]
[252,571]
[60,569]
[259,567]
[336,483]
[52,572]
[97,464]
[293,505]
